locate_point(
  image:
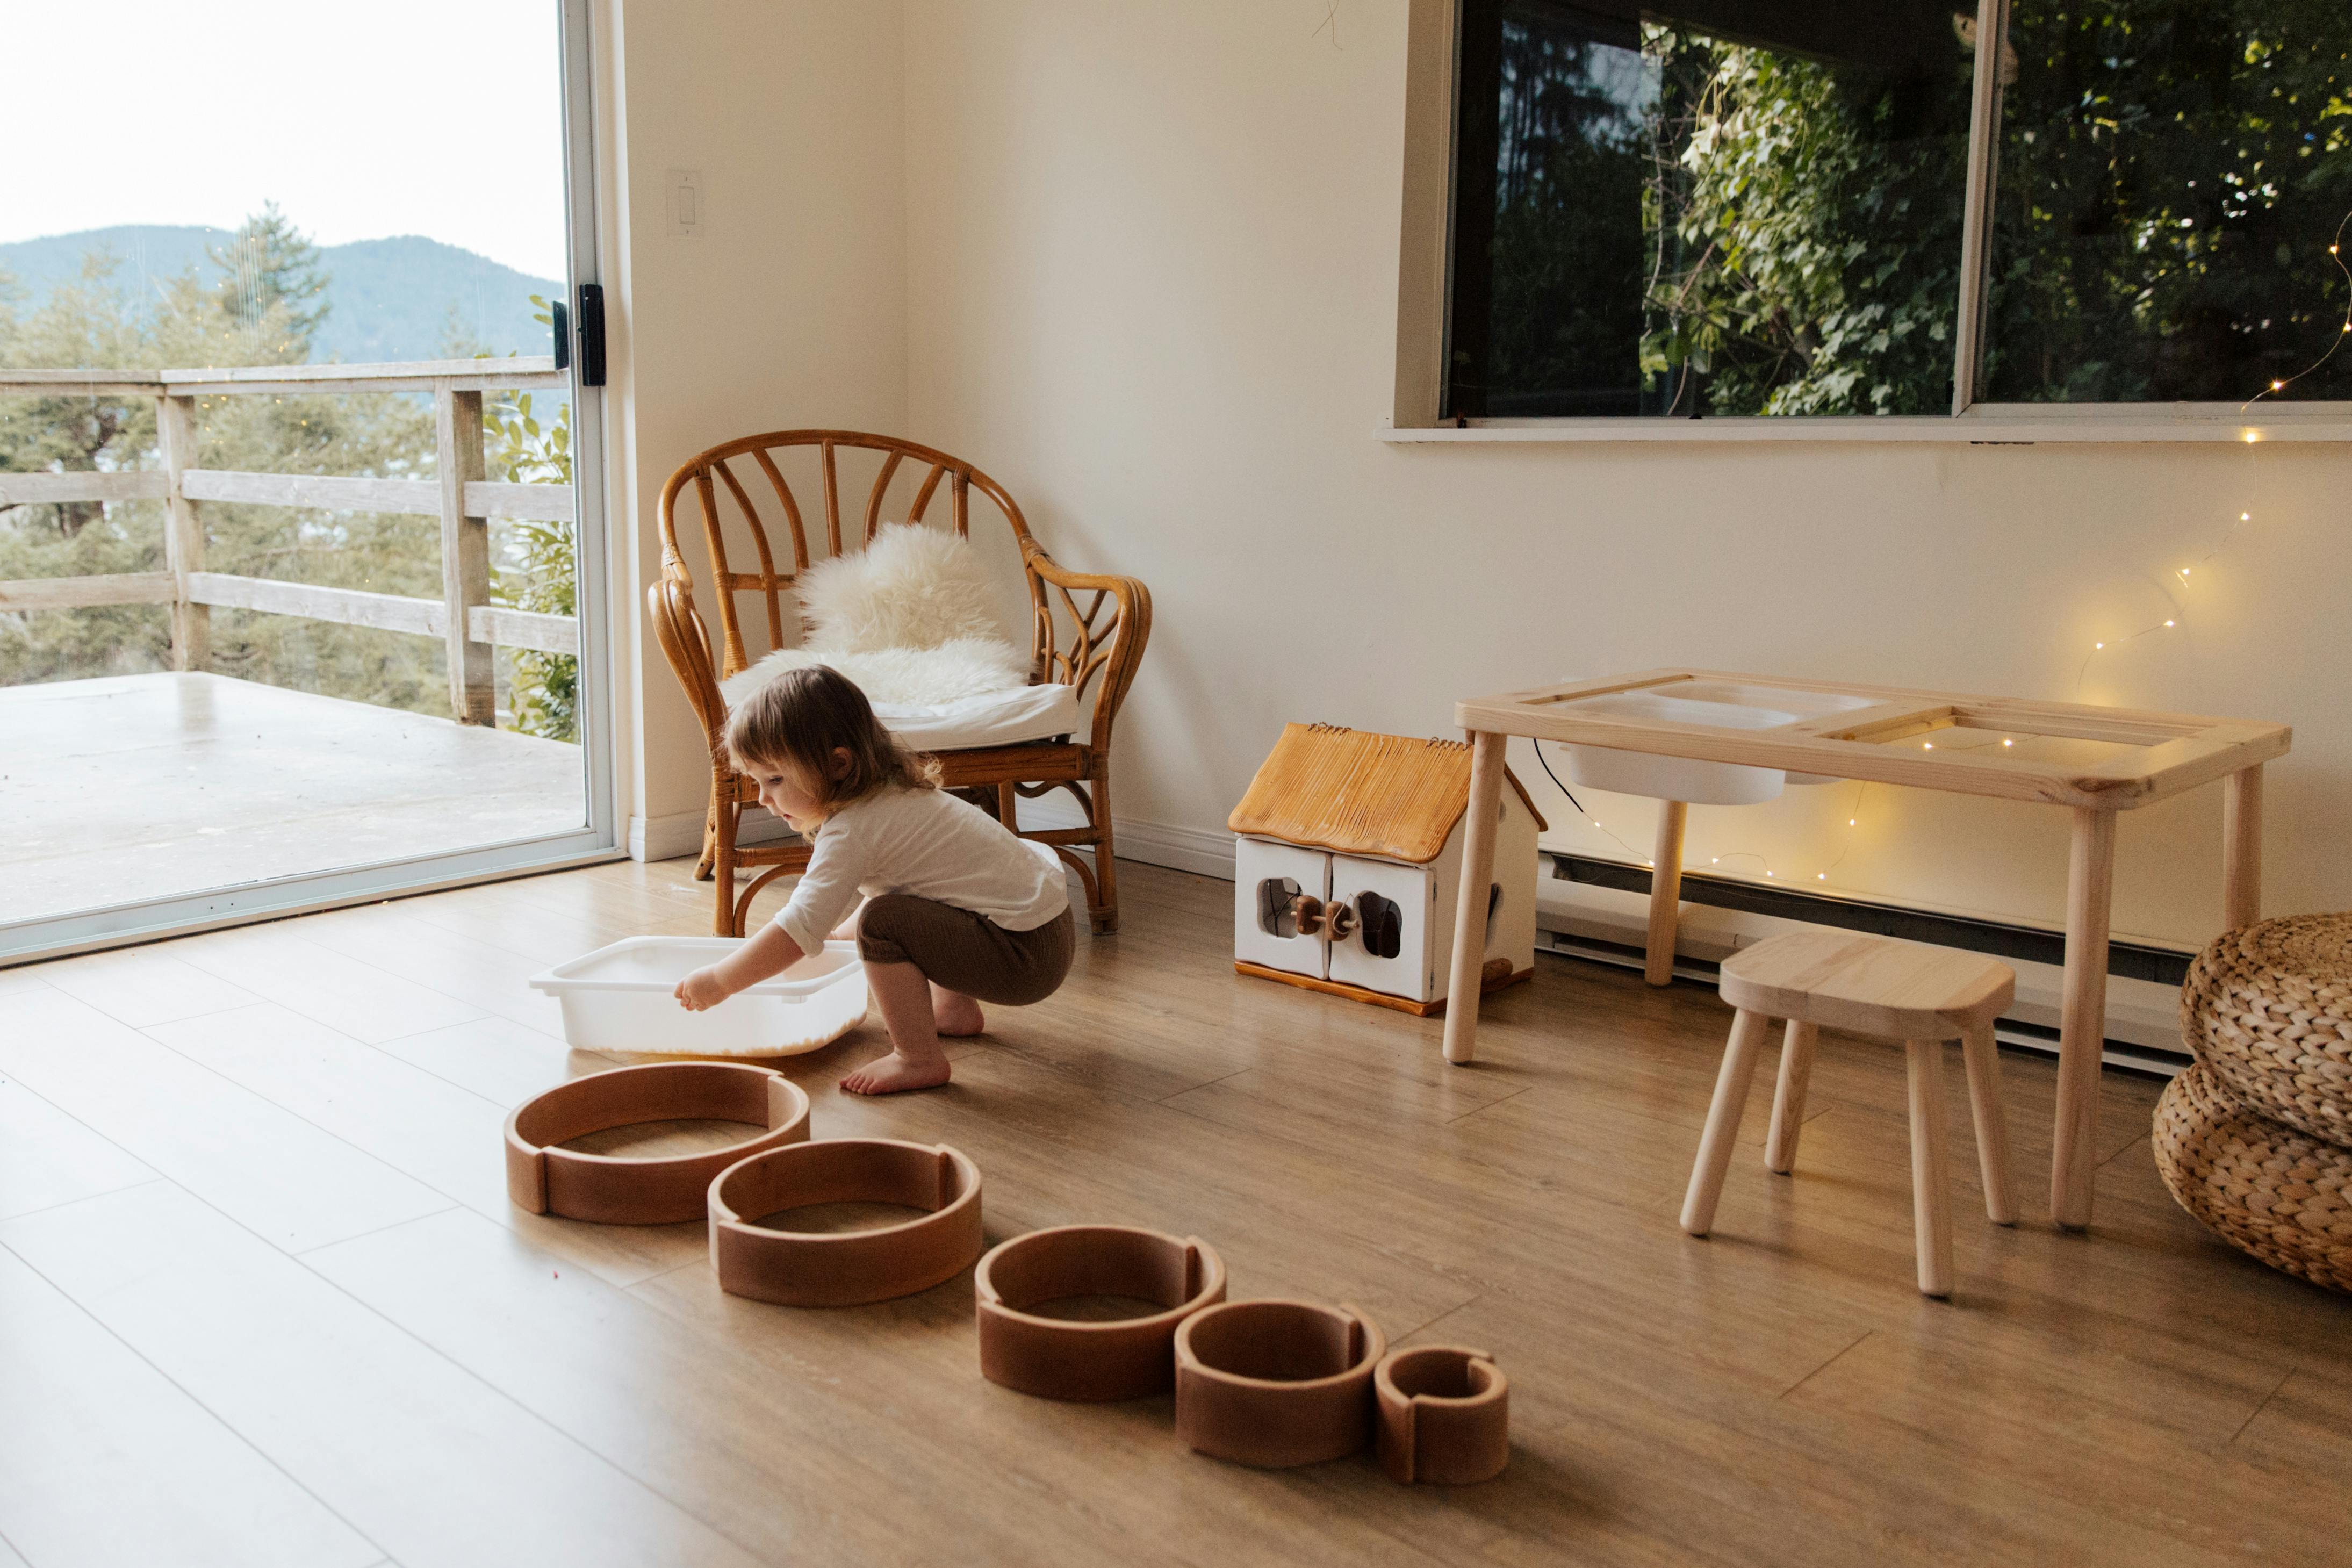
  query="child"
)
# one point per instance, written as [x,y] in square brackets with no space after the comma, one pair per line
[958,910]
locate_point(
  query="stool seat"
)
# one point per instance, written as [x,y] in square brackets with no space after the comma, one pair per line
[1868,985]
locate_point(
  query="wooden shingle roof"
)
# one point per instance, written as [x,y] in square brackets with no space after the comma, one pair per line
[1361,794]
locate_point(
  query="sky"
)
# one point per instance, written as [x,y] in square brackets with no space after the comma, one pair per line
[435,117]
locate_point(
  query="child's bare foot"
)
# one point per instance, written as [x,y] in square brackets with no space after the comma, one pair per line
[956,1014]
[897,1073]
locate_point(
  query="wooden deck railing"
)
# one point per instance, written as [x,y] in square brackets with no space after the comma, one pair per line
[463,616]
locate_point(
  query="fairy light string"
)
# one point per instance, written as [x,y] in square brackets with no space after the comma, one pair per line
[2186,576]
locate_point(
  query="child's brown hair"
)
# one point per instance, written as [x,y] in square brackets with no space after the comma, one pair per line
[800,718]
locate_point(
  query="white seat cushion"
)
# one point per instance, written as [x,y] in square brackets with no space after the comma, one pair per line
[991,719]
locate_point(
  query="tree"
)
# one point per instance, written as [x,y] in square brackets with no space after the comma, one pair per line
[261,314]
[270,273]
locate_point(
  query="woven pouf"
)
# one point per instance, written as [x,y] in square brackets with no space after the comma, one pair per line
[2262,1188]
[2268,1009]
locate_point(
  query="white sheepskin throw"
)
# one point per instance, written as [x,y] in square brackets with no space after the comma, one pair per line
[907,618]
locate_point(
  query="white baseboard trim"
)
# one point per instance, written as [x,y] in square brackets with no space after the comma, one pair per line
[681,833]
[1191,850]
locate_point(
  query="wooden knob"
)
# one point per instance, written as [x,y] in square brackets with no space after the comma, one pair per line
[1308,910]
[1341,919]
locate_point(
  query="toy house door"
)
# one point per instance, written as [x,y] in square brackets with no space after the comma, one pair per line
[1267,878]
[1388,950]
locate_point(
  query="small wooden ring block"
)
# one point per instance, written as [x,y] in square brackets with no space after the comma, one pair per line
[1126,1358]
[610,1189]
[1276,1383]
[845,1268]
[1444,1415]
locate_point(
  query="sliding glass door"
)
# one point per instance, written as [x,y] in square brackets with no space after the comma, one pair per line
[301,525]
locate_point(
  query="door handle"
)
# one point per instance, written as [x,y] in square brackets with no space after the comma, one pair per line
[591,334]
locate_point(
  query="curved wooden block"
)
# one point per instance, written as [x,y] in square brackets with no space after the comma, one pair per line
[1276,1383]
[849,1269]
[1444,1415]
[611,1189]
[1127,1358]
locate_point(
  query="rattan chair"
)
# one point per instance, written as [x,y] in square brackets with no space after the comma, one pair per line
[1102,642]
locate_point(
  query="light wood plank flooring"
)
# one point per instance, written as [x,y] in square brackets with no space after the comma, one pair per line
[262,1299]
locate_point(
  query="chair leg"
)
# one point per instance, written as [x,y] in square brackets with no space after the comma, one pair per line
[1931,1204]
[1714,1145]
[1008,805]
[1104,914]
[1983,1057]
[709,840]
[723,869]
[1788,1096]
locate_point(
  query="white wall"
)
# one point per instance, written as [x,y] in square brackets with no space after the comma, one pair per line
[789,311]
[1151,282]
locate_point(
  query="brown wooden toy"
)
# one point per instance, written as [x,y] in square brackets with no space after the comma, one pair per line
[802,1269]
[611,1189]
[1444,1414]
[1126,1358]
[1276,1383]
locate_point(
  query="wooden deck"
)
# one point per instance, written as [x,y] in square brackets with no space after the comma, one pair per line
[265,1301]
[146,786]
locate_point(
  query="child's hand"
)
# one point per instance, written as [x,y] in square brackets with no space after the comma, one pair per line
[702,989]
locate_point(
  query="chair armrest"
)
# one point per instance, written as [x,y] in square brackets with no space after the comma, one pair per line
[686,643]
[1112,650]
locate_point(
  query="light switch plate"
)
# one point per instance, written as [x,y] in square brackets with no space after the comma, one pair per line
[686,203]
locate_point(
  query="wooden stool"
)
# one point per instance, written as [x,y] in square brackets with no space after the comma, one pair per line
[1867,985]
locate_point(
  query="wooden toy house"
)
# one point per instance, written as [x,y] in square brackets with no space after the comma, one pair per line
[1348,869]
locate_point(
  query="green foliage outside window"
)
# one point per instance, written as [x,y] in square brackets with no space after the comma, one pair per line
[538,569]
[1683,224]
[260,302]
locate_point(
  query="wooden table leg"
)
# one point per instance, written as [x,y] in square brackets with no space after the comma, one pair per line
[2242,848]
[1665,893]
[1470,908]
[2083,1016]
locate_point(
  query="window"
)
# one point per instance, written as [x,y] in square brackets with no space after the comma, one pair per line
[1763,207]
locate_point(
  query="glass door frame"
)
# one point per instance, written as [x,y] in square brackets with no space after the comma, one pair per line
[597,840]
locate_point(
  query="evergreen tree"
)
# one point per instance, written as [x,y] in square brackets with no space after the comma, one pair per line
[270,273]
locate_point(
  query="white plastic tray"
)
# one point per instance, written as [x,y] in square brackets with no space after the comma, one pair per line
[620,998]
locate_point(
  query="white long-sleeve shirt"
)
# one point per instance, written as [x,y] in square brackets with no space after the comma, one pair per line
[928,843]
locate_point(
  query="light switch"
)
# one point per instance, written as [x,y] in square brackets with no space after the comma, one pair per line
[686,200]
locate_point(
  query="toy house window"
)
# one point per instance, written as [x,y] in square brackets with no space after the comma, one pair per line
[1382,924]
[1805,207]
[1277,906]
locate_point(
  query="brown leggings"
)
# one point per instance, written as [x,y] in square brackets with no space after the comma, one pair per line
[963,952]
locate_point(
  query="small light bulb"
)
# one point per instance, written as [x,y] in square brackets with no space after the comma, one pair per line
[1718,860]
[2245,517]
[2184,571]
[1821,876]
[1926,745]
[2098,645]
[2167,623]
[1768,873]
[2008,743]
[1850,822]
[2276,384]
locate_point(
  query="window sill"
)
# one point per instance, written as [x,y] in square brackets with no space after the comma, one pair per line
[2028,424]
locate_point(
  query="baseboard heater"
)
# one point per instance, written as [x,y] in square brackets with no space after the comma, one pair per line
[2133,961]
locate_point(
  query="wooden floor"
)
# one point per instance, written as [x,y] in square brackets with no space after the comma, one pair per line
[205,782]
[265,1302]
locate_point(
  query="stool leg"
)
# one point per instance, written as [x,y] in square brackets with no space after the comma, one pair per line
[1788,1096]
[1723,1120]
[1983,1057]
[1931,1204]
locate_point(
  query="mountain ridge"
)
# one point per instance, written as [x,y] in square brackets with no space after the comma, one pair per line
[390,298]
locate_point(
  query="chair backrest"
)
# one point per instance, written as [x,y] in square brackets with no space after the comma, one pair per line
[1108,618]
[712,472]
